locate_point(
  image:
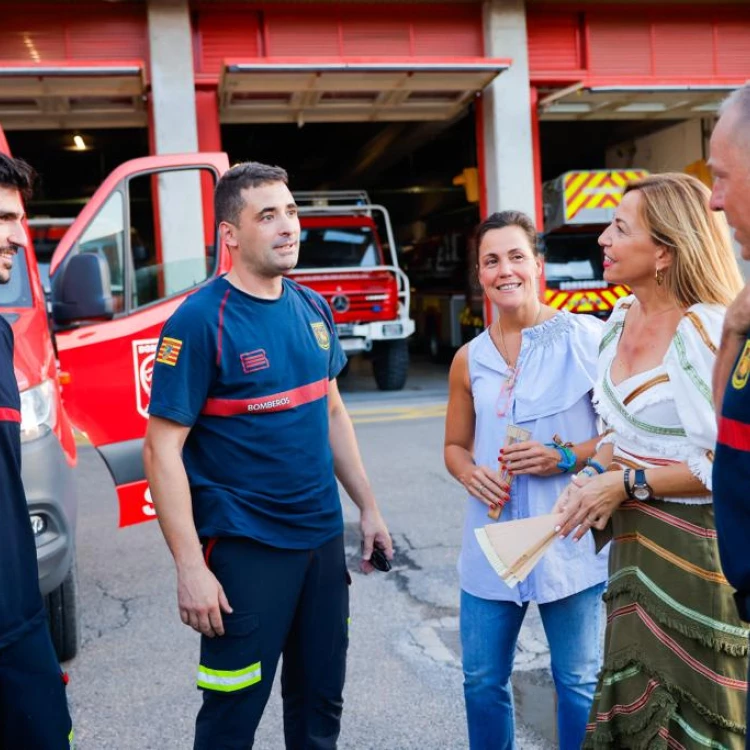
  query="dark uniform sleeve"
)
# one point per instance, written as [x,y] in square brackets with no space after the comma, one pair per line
[185,366]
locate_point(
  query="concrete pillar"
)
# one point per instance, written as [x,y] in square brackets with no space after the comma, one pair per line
[172,77]
[506,111]
[174,130]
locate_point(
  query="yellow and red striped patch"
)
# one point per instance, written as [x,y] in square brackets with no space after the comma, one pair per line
[596,189]
[169,351]
[587,301]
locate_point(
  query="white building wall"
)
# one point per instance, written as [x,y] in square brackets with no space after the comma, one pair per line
[668,150]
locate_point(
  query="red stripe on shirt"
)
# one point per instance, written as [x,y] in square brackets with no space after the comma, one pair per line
[734,434]
[229,407]
[221,327]
[10,415]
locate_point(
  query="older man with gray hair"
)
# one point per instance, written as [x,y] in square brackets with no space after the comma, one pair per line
[730,162]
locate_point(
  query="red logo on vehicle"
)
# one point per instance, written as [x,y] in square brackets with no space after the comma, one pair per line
[144,354]
[254,361]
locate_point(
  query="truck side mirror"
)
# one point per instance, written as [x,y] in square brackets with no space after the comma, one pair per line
[82,290]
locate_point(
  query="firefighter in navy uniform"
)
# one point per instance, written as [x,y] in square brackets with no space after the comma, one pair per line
[246,437]
[33,707]
[730,163]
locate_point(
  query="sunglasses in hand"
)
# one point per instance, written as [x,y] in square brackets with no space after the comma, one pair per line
[378,560]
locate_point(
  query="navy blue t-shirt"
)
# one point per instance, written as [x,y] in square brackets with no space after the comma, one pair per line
[250,377]
[731,476]
[21,606]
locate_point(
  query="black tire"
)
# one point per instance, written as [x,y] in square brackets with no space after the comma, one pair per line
[390,364]
[62,615]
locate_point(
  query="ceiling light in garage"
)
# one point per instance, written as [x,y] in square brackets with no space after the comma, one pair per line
[78,143]
[643,107]
[568,108]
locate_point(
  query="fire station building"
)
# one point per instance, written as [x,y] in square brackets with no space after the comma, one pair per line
[539,87]
[183,69]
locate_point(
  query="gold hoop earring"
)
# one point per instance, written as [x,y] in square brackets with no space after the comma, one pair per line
[659,276]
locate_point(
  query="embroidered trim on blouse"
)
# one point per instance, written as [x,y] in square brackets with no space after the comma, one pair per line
[702,332]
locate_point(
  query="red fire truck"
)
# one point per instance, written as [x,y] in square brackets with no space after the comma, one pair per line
[343,257]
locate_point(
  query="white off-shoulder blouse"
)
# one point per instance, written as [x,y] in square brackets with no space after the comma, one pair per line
[665,415]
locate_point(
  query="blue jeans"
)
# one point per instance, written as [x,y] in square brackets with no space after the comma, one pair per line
[489,632]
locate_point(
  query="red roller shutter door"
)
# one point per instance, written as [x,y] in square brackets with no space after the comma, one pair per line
[38,34]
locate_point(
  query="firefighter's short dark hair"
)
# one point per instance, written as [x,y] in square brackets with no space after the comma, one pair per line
[16,173]
[502,219]
[228,201]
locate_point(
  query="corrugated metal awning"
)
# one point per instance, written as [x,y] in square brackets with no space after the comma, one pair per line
[67,95]
[380,90]
[633,102]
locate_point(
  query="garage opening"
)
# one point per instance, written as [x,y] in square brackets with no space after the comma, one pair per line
[397,134]
[595,140]
[71,164]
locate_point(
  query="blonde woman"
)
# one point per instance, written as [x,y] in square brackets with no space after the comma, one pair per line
[675,660]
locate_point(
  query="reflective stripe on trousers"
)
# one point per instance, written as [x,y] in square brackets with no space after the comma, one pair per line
[227,681]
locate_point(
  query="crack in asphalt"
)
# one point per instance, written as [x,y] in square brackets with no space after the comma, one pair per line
[125,616]
[403,565]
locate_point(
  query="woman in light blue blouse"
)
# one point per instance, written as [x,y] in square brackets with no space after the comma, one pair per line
[533,367]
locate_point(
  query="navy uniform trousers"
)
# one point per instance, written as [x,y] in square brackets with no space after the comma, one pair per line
[33,708]
[290,603]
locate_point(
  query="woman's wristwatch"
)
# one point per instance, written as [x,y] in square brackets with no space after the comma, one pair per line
[640,489]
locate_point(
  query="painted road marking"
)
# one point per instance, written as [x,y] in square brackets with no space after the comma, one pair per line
[396,413]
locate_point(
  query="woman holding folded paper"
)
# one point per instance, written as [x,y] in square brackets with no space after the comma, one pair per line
[675,660]
[533,369]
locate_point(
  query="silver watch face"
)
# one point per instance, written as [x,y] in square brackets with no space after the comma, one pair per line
[641,493]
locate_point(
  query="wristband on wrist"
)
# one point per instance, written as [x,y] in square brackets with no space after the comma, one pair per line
[595,465]
[589,471]
[567,457]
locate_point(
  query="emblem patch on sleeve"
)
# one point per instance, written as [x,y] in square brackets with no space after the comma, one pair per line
[169,351]
[321,335]
[742,370]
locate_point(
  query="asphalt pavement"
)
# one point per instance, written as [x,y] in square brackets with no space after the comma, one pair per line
[133,683]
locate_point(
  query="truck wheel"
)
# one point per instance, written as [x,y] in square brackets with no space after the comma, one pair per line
[62,614]
[390,364]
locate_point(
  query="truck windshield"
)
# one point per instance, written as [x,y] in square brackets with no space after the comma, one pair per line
[337,247]
[572,257]
[17,292]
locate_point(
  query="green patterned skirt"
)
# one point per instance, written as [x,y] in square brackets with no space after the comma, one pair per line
[675,664]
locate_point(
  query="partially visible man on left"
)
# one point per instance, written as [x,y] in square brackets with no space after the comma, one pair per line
[33,708]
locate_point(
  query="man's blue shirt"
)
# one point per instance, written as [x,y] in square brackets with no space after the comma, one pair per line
[250,377]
